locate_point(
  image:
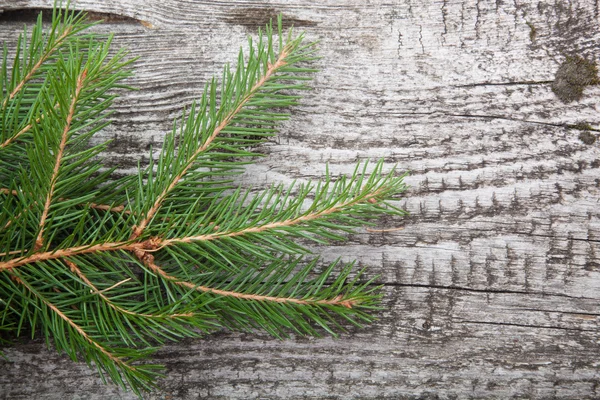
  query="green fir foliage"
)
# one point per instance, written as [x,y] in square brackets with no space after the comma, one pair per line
[106,270]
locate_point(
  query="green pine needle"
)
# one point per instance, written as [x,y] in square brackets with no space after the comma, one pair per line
[107,270]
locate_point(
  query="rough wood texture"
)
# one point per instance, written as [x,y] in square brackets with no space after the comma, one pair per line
[492,288]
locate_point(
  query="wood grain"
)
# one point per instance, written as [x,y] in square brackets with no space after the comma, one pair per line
[491,288]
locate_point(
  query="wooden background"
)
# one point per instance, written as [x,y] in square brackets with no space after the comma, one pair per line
[491,288]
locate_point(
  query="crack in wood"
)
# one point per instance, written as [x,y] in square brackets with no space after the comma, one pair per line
[501,117]
[580,314]
[532,326]
[484,290]
[30,15]
[512,83]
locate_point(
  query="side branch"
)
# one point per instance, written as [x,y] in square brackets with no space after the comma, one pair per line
[103,207]
[274,225]
[272,68]
[338,300]
[8,191]
[25,129]
[75,269]
[39,242]
[37,66]
[11,139]
[77,328]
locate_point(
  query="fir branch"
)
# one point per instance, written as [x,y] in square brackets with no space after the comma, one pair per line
[288,223]
[108,269]
[367,195]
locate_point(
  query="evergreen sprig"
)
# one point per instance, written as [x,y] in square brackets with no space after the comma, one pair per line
[109,269]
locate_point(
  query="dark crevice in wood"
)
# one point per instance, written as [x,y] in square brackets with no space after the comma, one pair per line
[556,237]
[30,16]
[515,83]
[575,313]
[408,221]
[492,116]
[486,290]
[527,326]
[253,18]
[501,117]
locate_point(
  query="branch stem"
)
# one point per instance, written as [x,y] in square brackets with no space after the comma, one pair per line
[270,226]
[338,300]
[39,241]
[71,251]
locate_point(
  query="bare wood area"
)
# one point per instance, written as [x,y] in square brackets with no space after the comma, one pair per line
[492,289]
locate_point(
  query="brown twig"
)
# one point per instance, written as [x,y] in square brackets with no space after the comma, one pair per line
[8,191]
[108,207]
[15,137]
[73,251]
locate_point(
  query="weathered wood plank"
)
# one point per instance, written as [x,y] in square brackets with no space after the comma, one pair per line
[492,285]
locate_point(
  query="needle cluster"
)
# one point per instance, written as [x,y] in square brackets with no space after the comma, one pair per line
[109,269]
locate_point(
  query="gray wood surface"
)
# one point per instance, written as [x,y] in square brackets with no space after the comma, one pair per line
[492,287]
